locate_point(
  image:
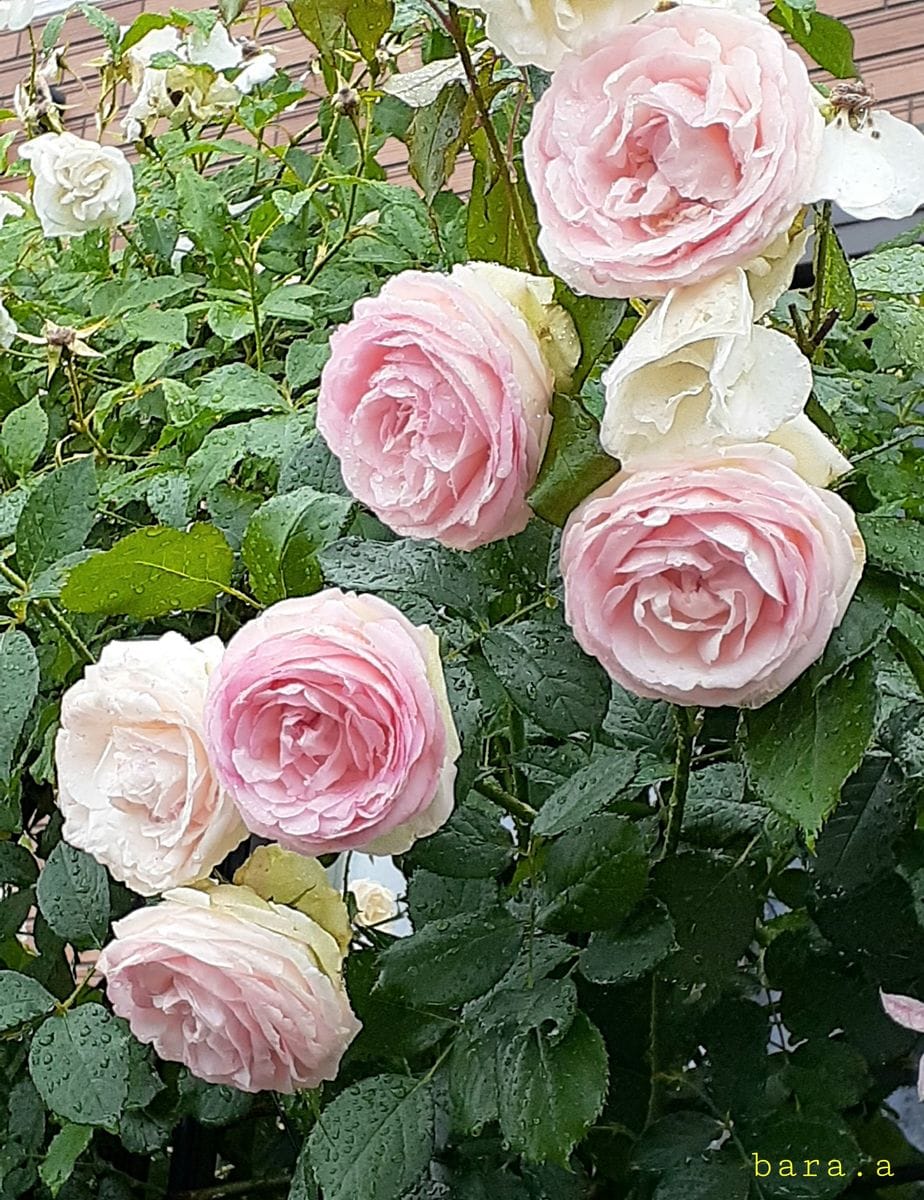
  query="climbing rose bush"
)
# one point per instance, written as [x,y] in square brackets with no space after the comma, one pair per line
[461,640]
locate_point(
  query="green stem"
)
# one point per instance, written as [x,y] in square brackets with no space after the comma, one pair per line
[686,720]
[244,1187]
[502,163]
[493,791]
[822,234]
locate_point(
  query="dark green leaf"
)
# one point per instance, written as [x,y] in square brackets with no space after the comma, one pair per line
[675,1140]
[800,748]
[828,41]
[452,961]
[586,793]
[282,539]
[865,624]
[79,1062]
[471,845]
[73,894]
[548,676]
[895,544]
[57,517]
[19,671]
[621,955]
[17,866]
[21,999]
[204,213]
[374,1141]
[152,572]
[594,875]
[435,136]
[833,270]
[716,812]
[493,234]
[574,465]
[66,1147]
[405,567]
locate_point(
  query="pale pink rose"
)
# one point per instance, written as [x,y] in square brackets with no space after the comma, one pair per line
[134,782]
[907,1011]
[436,401]
[671,150]
[241,991]
[329,724]
[710,582]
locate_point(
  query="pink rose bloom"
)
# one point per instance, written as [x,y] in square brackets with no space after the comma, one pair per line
[907,1011]
[134,782]
[241,991]
[436,401]
[670,151]
[712,582]
[329,724]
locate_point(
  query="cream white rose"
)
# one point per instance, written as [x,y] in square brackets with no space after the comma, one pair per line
[78,185]
[7,328]
[16,14]
[376,904]
[698,374]
[134,782]
[542,32]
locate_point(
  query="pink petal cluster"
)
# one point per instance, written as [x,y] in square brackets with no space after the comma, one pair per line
[671,150]
[328,722]
[233,987]
[908,1012]
[712,582]
[436,401]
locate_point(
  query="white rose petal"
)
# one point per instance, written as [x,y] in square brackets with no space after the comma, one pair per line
[375,903]
[697,372]
[542,32]
[134,782]
[9,208]
[78,185]
[218,51]
[16,14]
[771,273]
[258,70]
[875,170]
[818,461]
[7,328]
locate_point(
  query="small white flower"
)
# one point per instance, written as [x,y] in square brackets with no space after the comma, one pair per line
[9,208]
[16,14]
[375,903]
[78,184]
[871,163]
[260,69]
[7,328]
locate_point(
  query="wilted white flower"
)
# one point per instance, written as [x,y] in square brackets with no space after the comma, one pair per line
[260,69]
[698,374]
[871,163]
[7,328]
[78,185]
[16,14]
[375,903]
[218,50]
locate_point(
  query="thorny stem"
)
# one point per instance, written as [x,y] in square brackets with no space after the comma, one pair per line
[503,164]
[493,791]
[687,721]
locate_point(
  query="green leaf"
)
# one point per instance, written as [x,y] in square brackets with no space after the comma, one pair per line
[548,676]
[305,360]
[596,322]
[644,728]
[828,41]
[825,1072]
[203,213]
[787,1135]
[832,268]
[435,136]
[594,875]
[492,232]
[17,866]
[406,567]
[621,955]
[574,465]
[452,961]
[866,622]
[471,845]
[19,671]
[282,539]
[152,572]
[550,1092]
[303,1186]
[722,1178]
[265,438]
[142,25]
[23,437]
[321,21]
[73,894]
[374,1141]
[21,999]
[66,1147]
[79,1063]
[800,748]
[894,544]
[716,813]
[157,325]
[57,517]
[52,31]
[896,272]
[714,906]
[586,793]
[674,1140]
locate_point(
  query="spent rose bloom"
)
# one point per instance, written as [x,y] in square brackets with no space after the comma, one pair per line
[436,401]
[329,724]
[16,14]
[697,372]
[134,782]
[376,904]
[241,991]
[670,151]
[78,185]
[713,581]
[907,1011]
